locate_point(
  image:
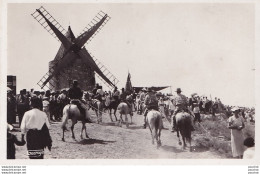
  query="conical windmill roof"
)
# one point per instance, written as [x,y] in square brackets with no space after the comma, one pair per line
[71,37]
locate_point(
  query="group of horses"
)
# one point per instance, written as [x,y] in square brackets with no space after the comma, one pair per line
[153,120]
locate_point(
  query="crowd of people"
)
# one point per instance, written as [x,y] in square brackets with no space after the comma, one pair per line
[49,106]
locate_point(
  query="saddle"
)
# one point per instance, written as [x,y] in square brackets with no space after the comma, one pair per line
[77,103]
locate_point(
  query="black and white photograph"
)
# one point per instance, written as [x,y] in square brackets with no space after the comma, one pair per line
[130,80]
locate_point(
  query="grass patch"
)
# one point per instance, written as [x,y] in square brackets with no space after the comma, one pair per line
[218,136]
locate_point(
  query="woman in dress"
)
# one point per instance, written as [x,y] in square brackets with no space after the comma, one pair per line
[236,124]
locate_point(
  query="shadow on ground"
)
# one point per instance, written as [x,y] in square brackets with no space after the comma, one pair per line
[93,141]
[135,127]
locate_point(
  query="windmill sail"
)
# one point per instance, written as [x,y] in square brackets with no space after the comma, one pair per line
[94,22]
[84,37]
[86,57]
[38,17]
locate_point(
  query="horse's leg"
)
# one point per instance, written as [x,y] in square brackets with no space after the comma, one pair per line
[84,127]
[72,127]
[178,135]
[151,130]
[110,115]
[126,121]
[97,116]
[189,141]
[183,140]
[100,112]
[63,130]
[120,120]
[115,114]
[159,133]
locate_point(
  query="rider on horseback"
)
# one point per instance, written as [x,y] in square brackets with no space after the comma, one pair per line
[126,99]
[116,94]
[99,94]
[75,94]
[181,104]
[151,102]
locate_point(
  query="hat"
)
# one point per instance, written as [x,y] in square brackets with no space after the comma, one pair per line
[150,90]
[194,94]
[9,127]
[234,109]
[178,90]
[144,89]
[45,98]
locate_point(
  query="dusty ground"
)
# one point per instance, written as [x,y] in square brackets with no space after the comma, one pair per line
[107,140]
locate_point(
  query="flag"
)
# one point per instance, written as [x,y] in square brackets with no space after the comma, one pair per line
[128,86]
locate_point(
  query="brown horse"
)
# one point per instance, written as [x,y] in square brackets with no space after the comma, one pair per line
[154,121]
[113,105]
[184,126]
[72,112]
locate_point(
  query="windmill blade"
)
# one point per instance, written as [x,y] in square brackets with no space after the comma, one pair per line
[58,67]
[38,17]
[86,57]
[83,38]
[97,19]
[67,44]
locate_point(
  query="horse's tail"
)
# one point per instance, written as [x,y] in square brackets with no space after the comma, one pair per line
[187,126]
[65,116]
[158,122]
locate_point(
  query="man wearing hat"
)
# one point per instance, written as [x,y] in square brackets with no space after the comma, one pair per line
[181,103]
[143,94]
[151,102]
[116,94]
[75,94]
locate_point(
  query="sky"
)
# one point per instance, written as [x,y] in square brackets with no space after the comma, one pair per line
[205,48]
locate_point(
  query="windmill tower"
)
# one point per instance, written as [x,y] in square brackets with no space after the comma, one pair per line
[73,61]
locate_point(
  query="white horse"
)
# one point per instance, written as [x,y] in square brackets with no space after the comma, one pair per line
[72,112]
[154,121]
[97,106]
[124,109]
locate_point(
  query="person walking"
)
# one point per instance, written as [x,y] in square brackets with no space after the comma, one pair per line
[35,125]
[236,124]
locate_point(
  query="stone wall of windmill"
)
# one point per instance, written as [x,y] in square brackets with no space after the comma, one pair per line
[78,71]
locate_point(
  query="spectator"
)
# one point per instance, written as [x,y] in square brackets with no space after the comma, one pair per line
[196,111]
[250,151]
[11,141]
[236,124]
[11,108]
[35,125]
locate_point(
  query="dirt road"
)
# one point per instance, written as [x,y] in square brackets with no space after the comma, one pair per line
[107,140]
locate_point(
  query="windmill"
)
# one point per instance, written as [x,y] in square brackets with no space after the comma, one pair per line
[73,60]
